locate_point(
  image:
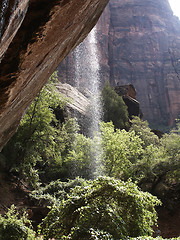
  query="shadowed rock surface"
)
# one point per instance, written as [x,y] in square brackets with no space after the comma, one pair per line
[35,36]
[139,44]
[128,93]
[77,101]
[77,105]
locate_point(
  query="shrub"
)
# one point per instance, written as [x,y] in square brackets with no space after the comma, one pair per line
[13,227]
[107,206]
[55,191]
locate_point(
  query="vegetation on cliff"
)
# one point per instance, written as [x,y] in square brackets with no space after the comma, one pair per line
[114,108]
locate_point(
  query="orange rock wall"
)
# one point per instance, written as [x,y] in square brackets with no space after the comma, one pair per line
[139,44]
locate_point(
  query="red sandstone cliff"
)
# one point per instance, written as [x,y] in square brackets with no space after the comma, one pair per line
[139,44]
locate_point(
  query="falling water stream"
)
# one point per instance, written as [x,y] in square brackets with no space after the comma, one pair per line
[87,70]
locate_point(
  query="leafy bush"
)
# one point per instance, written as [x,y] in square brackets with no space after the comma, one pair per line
[107,206]
[13,227]
[55,191]
[90,235]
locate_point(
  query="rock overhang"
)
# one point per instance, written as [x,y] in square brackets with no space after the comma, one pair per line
[47,32]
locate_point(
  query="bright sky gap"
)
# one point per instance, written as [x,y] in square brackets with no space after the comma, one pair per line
[175,5]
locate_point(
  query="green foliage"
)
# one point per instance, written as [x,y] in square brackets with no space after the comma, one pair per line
[151,238]
[13,227]
[36,139]
[140,155]
[41,142]
[159,162]
[91,234]
[114,108]
[142,129]
[101,209]
[58,167]
[103,206]
[170,144]
[79,158]
[55,191]
[121,151]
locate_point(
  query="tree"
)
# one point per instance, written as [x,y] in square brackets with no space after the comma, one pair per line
[122,150]
[170,144]
[114,108]
[38,137]
[142,129]
[78,160]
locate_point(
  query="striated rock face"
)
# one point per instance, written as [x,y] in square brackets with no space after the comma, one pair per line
[35,36]
[139,44]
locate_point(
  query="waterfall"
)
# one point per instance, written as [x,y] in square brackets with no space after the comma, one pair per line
[94,82]
[87,76]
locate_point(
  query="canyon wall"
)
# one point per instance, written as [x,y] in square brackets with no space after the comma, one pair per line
[35,36]
[139,44]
